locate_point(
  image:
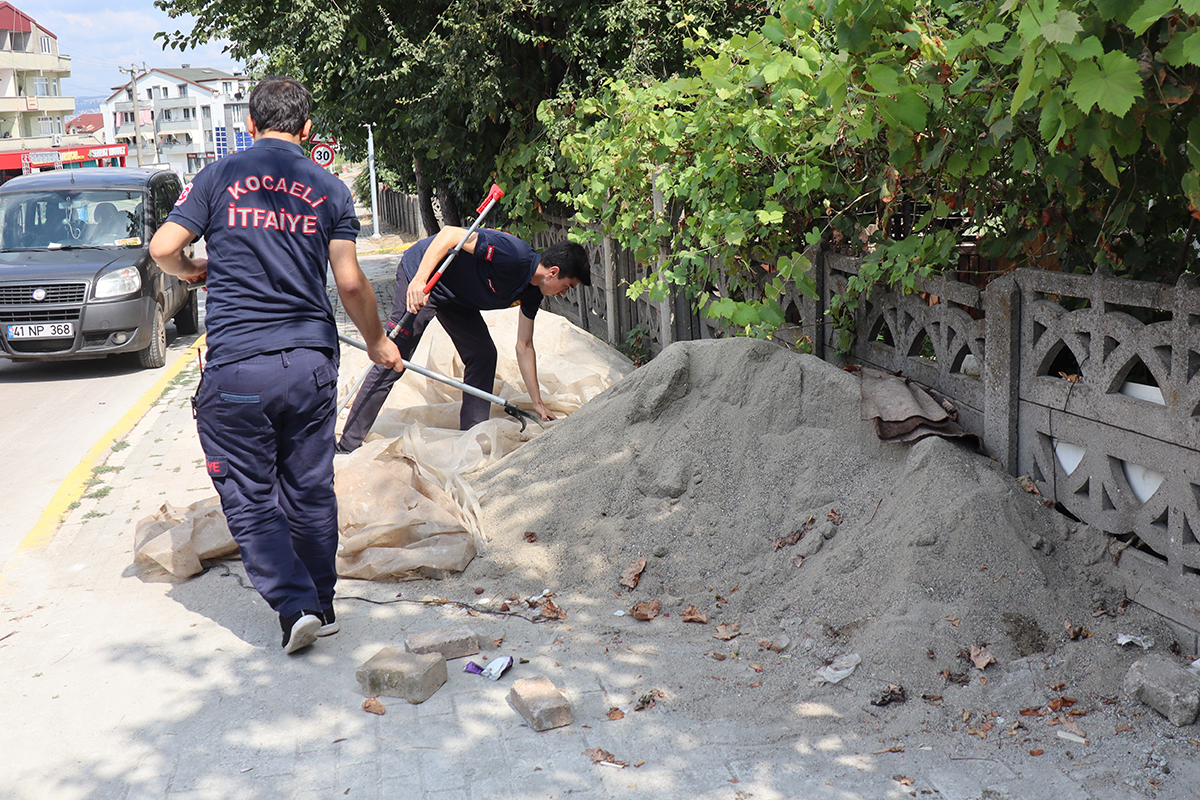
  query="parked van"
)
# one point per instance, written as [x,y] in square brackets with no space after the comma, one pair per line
[76,277]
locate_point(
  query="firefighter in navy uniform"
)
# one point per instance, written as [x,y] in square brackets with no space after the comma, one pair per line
[494,270]
[265,409]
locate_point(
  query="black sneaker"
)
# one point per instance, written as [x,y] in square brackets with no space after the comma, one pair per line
[299,629]
[329,623]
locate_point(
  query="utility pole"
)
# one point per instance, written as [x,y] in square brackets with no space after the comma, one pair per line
[137,115]
[374,197]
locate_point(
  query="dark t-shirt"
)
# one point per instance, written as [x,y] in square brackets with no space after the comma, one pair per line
[496,275]
[267,215]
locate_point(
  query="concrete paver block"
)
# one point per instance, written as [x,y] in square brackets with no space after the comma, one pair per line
[1166,687]
[540,702]
[413,676]
[450,642]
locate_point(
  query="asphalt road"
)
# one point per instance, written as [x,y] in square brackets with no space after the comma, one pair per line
[54,412]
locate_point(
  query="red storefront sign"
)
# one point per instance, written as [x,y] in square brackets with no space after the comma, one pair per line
[13,160]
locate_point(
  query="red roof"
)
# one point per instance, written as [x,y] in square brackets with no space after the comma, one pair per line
[14,19]
[87,123]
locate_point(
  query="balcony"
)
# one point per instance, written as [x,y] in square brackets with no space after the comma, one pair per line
[47,142]
[176,102]
[191,126]
[39,104]
[41,62]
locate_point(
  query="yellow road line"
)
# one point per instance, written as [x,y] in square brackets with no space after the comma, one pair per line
[75,483]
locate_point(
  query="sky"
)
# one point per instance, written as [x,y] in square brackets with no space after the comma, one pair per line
[101,38]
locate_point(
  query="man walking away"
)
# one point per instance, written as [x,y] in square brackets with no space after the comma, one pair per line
[265,406]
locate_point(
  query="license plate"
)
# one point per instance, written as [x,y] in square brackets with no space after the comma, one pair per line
[42,330]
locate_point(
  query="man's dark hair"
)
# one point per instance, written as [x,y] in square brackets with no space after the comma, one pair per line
[280,104]
[571,260]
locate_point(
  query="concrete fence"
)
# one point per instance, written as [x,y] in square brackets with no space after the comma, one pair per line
[1089,384]
[401,212]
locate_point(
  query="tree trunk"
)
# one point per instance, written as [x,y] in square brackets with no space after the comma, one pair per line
[450,215]
[425,199]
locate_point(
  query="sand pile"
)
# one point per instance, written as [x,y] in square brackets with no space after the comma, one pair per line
[704,461]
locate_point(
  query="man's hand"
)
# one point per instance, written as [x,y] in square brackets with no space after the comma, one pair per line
[201,264]
[415,298]
[540,409]
[383,351]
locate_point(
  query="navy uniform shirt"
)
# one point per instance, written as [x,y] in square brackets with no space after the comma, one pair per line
[496,275]
[267,215]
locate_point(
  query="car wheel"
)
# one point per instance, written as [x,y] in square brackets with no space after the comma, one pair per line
[154,355]
[187,319]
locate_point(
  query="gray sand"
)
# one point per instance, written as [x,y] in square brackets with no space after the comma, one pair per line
[700,461]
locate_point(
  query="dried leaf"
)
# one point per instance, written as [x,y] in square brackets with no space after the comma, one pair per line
[1026,483]
[372,706]
[795,536]
[1031,712]
[497,641]
[894,693]
[551,610]
[1123,728]
[1059,703]
[756,684]
[1073,631]
[1073,727]
[599,756]
[981,657]
[646,610]
[893,749]
[932,698]
[719,656]
[1070,736]
[1073,378]
[726,632]
[633,573]
[648,699]
[834,517]
[903,780]
[756,667]
[952,620]
[615,713]
[1037,752]
[692,614]
[530,537]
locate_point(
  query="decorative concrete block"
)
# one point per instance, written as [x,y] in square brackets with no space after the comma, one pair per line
[450,642]
[540,702]
[413,676]
[1166,687]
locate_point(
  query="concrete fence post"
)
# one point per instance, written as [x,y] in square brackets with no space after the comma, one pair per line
[1001,371]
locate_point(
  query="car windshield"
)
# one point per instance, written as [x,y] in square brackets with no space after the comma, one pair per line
[50,220]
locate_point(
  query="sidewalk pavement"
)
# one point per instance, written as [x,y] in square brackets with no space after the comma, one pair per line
[120,682]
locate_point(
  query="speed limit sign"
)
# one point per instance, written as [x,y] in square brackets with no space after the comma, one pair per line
[322,155]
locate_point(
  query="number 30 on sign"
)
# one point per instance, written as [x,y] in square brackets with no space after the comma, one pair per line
[322,155]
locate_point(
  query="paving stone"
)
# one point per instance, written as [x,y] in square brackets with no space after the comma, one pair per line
[1166,687]
[540,702]
[450,642]
[413,676]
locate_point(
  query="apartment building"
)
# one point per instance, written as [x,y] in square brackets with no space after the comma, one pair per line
[185,117]
[33,111]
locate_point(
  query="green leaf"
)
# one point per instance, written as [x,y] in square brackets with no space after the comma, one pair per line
[1113,10]
[1112,83]
[1081,51]
[771,215]
[1149,13]
[1193,143]
[908,110]
[1102,159]
[1025,78]
[1062,30]
[744,316]
[883,79]
[1190,7]
[1191,189]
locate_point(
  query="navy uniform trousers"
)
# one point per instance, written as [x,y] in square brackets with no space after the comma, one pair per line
[469,333]
[266,426]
